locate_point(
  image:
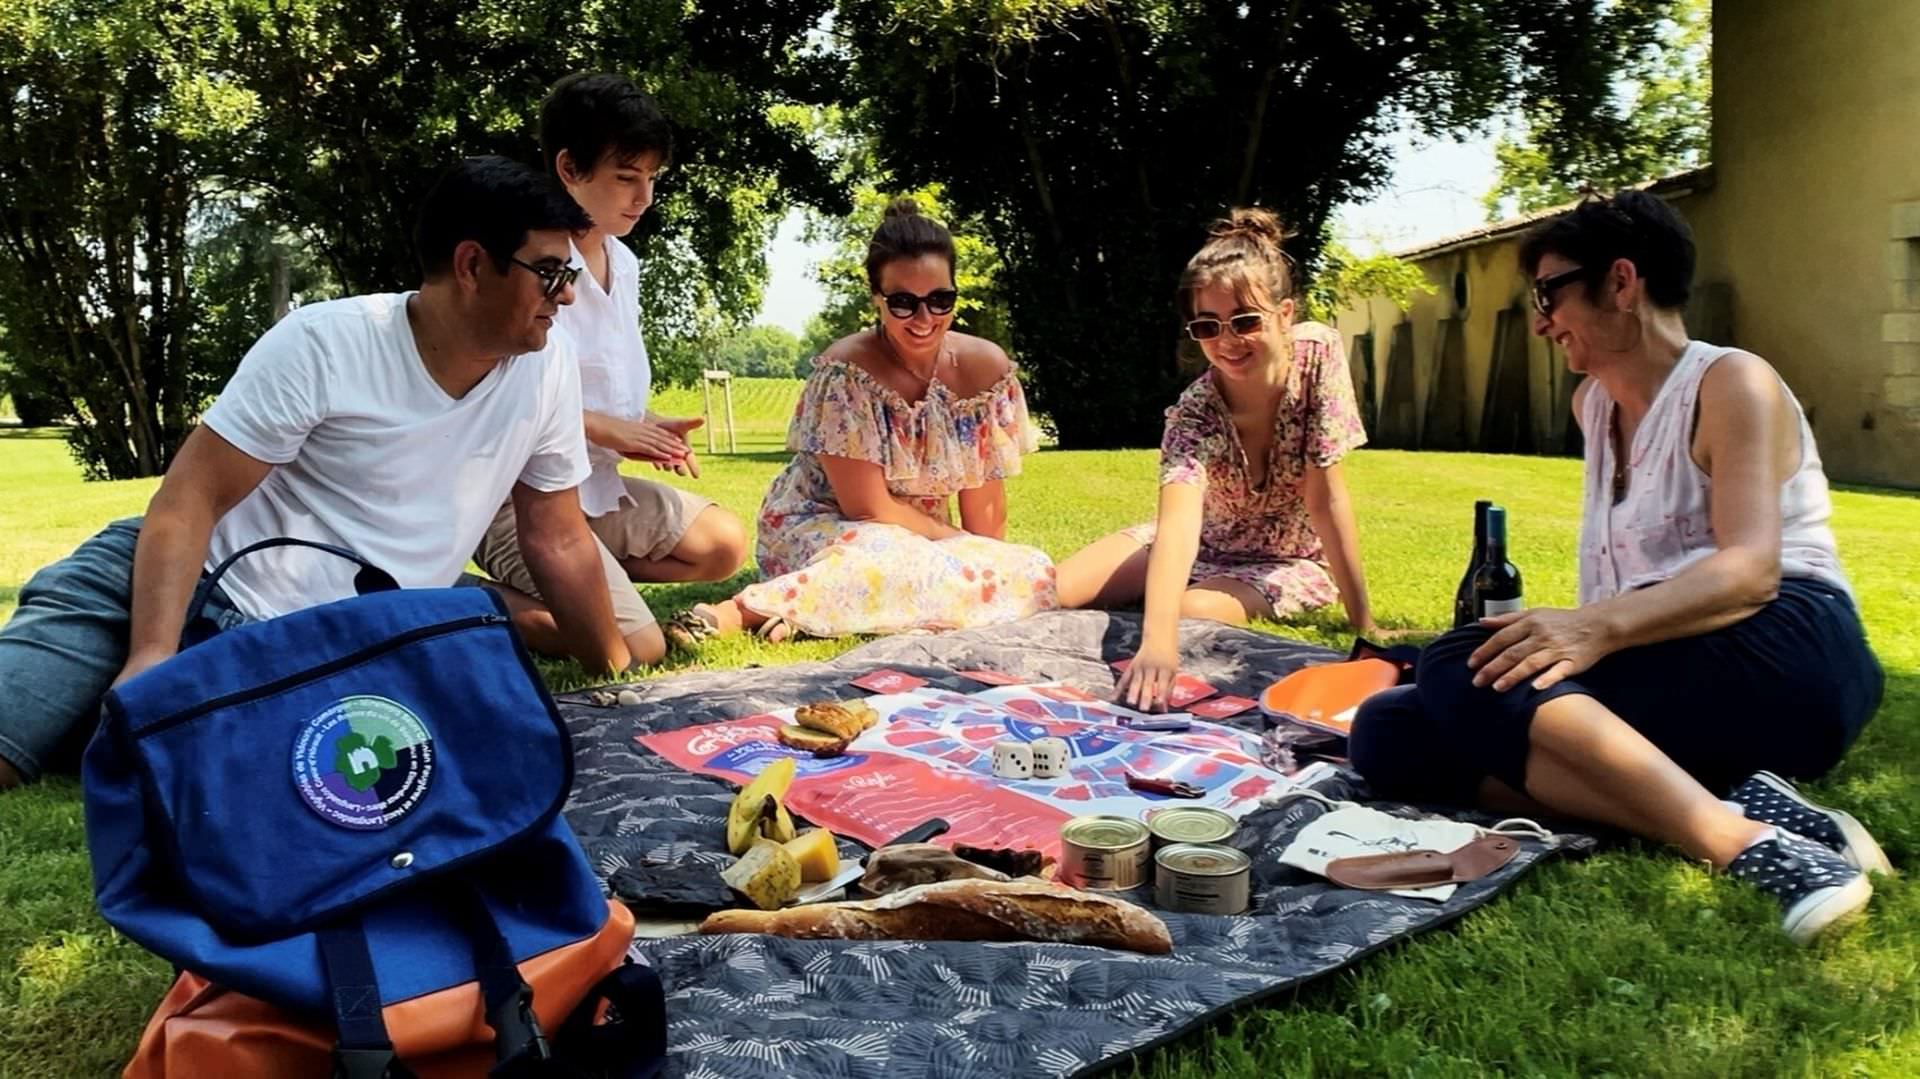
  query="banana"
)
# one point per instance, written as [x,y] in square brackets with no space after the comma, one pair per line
[749,808]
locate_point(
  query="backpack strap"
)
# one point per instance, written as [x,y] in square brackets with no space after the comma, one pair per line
[520,1046]
[371,578]
[363,1050]
[632,1043]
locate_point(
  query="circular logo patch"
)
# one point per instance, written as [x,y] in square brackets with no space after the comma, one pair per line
[363,763]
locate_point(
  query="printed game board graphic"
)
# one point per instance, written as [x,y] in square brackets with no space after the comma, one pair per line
[931,755]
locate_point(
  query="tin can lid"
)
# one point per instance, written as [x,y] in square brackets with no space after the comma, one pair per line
[1202,859]
[1191,824]
[1103,833]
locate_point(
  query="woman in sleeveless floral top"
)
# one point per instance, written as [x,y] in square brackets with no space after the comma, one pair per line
[857,534]
[1716,642]
[1254,520]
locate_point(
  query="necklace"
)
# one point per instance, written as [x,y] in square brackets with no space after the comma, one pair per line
[894,358]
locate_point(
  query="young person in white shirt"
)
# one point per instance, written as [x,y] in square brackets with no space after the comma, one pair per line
[393,425]
[606,141]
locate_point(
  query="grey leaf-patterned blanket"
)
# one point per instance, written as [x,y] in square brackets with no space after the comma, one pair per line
[760,1007]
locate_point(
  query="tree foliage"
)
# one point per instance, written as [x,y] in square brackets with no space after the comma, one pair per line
[759,351]
[1095,139]
[1344,277]
[130,131]
[112,119]
[843,273]
[1660,123]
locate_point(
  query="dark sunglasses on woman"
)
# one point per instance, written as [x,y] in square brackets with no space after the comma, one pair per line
[1245,325]
[1545,287]
[939,302]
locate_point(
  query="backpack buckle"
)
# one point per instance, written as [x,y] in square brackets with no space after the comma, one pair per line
[365,1064]
[521,1045]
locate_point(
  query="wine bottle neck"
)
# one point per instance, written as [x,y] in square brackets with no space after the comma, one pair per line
[1496,545]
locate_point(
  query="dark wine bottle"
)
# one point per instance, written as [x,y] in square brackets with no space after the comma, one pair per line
[1463,596]
[1496,581]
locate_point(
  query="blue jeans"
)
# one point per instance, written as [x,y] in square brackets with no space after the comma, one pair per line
[64,646]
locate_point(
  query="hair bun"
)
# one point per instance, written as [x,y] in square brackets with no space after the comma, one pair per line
[904,206]
[1253,223]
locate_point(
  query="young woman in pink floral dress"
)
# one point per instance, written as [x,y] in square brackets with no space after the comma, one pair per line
[895,425]
[1254,520]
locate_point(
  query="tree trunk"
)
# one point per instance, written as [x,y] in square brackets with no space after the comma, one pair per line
[279,281]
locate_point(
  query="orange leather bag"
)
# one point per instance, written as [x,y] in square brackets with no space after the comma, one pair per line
[202,1029]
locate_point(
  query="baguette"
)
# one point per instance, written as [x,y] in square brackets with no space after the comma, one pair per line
[965,910]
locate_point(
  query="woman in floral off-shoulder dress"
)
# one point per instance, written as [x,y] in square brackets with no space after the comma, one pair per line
[895,426]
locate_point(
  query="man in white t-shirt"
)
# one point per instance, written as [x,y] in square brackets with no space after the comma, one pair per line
[392,425]
[605,140]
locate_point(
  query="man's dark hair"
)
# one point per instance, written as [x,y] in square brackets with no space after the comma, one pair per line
[1632,225]
[495,202]
[600,117]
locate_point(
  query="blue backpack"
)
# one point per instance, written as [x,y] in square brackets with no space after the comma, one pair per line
[352,813]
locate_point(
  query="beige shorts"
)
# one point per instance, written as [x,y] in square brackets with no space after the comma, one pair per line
[650,528]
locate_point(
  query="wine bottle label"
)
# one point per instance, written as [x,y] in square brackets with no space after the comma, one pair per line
[1491,607]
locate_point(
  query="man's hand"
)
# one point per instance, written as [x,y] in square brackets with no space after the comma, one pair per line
[138,662]
[1544,644]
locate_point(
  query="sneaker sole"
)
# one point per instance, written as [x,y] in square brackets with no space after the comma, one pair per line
[1862,851]
[1843,901]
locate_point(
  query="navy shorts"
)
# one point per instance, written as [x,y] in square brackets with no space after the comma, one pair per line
[1787,690]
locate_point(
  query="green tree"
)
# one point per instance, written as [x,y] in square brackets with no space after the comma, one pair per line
[1660,122]
[362,110]
[113,117]
[843,273]
[245,273]
[1095,138]
[758,351]
[1344,276]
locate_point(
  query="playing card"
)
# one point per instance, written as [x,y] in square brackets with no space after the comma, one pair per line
[1221,707]
[887,680]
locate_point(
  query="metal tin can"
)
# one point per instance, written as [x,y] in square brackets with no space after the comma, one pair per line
[1189,824]
[1108,854]
[1202,878]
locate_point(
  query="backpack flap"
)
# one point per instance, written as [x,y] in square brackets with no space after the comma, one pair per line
[293,770]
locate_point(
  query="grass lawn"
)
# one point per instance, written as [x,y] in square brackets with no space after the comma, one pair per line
[1633,962]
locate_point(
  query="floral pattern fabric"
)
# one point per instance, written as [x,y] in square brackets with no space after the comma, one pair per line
[829,576]
[1261,535]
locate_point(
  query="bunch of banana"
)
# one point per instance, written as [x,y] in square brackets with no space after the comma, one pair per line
[757,812]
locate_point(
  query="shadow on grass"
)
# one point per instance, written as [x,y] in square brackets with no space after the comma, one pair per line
[31,434]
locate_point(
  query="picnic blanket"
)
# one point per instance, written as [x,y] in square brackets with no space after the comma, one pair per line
[762,1007]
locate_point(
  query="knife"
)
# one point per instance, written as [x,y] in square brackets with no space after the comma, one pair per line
[920,833]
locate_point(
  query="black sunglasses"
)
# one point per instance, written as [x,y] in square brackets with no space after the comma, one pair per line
[939,302]
[553,279]
[1544,288]
[1246,325]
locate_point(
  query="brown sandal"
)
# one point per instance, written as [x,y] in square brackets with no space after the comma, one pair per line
[687,629]
[776,630]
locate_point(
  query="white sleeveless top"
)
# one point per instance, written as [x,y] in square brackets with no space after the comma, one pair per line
[1662,526]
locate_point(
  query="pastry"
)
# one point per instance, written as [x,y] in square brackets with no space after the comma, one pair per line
[842,719]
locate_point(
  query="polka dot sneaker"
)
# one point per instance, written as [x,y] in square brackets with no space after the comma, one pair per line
[1767,798]
[1814,886]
